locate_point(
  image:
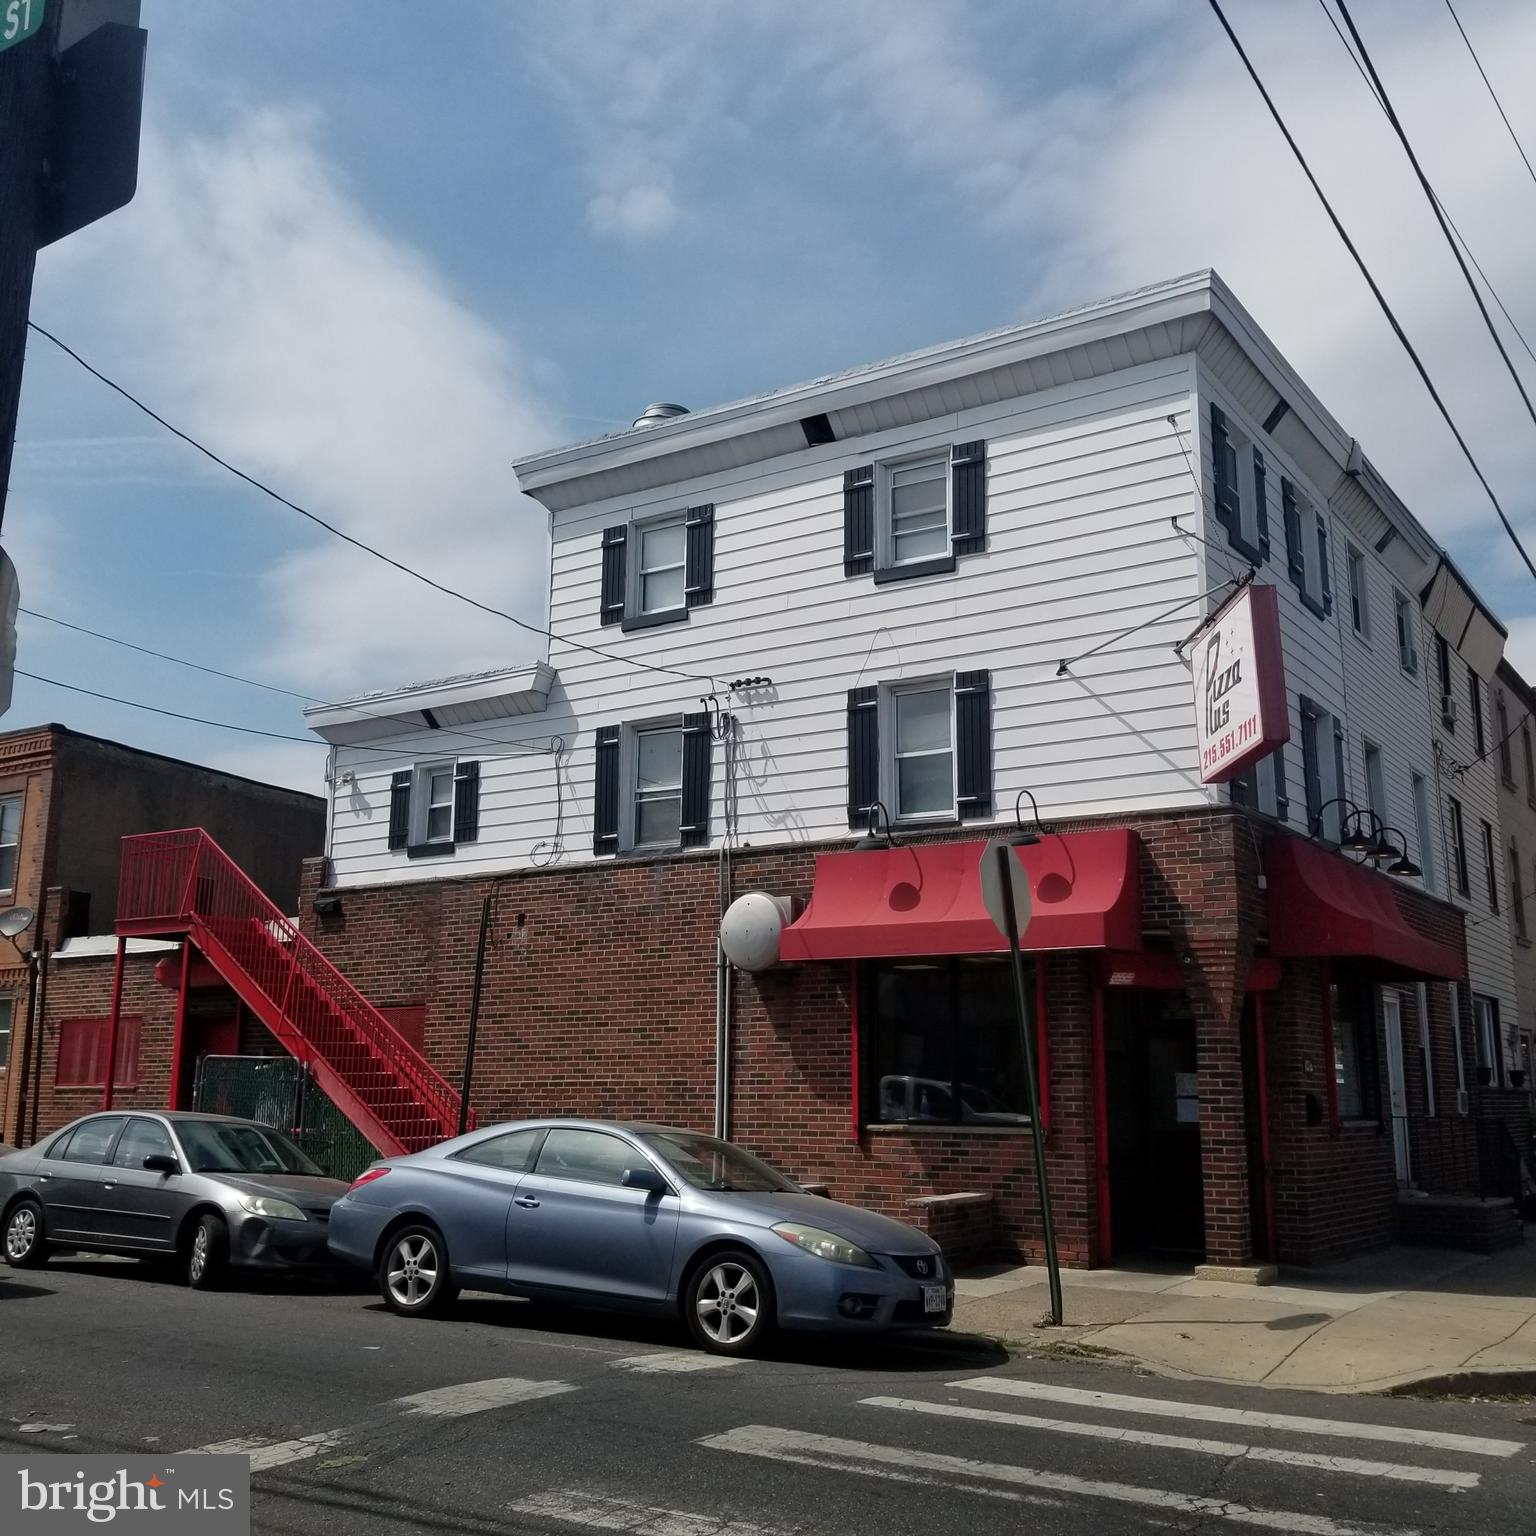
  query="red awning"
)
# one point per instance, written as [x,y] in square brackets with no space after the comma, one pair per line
[1322,904]
[925,899]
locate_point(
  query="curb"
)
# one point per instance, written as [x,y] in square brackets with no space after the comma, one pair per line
[1516,1383]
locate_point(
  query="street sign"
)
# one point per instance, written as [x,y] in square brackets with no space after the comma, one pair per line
[992,889]
[19,19]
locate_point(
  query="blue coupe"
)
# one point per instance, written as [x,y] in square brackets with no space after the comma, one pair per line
[638,1217]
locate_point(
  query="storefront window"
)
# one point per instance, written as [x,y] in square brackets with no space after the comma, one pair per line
[944,1042]
[1354,1050]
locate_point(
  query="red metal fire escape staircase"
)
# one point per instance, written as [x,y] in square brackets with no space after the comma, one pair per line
[182,884]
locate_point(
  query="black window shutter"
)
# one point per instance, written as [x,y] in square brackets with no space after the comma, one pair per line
[400,808]
[1295,551]
[968,497]
[859,521]
[973,743]
[615,542]
[1282,798]
[699,570]
[863,753]
[1339,781]
[1326,571]
[1227,509]
[466,802]
[698,750]
[1260,505]
[605,806]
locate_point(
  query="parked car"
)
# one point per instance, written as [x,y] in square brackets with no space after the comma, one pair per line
[206,1191]
[636,1217]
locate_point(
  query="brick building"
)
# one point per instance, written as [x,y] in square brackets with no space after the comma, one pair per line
[823,644]
[66,802]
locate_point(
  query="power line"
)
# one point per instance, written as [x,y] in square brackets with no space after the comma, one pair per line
[508,748]
[367,549]
[154,709]
[1471,255]
[1371,282]
[1429,193]
[1493,93]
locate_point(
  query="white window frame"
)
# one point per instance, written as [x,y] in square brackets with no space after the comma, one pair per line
[629,768]
[1487,1033]
[636,572]
[1405,616]
[885,533]
[422,803]
[889,753]
[20,802]
[7,1028]
[1358,585]
[1375,782]
[1428,861]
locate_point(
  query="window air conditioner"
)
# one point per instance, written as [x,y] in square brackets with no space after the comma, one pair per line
[1448,709]
[1463,1101]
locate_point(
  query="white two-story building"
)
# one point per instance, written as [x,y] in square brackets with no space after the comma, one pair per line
[823,644]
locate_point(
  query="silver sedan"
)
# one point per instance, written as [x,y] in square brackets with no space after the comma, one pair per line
[640,1217]
[208,1192]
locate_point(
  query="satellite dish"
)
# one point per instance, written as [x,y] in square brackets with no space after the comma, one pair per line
[751,929]
[16,920]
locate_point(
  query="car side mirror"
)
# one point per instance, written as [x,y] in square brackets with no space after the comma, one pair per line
[644,1177]
[162,1162]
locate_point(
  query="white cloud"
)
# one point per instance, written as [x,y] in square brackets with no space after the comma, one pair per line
[641,210]
[263,309]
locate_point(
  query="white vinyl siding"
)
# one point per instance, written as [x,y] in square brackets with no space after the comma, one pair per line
[1083,481]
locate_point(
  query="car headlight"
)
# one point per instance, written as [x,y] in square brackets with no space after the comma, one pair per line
[825,1245]
[273,1208]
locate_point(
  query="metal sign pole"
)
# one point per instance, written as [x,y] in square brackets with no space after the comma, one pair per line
[1003,854]
[474,1016]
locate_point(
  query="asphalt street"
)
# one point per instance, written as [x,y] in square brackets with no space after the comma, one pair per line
[513,1418]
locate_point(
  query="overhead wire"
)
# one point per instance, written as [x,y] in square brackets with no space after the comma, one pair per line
[1514,325]
[368,549]
[1514,137]
[1374,286]
[1434,204]
[447,732]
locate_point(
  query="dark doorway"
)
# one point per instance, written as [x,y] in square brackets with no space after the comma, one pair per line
[1156,1195]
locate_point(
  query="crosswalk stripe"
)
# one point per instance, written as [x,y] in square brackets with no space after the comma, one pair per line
[598,1512]
[266,1453]
[1253,1418]
[669,1361]
[1393,1471]
[803,1448]
[477,1396]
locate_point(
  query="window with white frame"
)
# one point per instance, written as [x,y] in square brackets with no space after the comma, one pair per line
[1375,780]
[661,550]
[1407,634]
[432,803]
[658,787]
[1488,1040]
[1458,824]
[914,511]
[921,769]
[1359,600]
[1424,824]
[10,840]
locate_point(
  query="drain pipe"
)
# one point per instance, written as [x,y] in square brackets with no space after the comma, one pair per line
[723,968]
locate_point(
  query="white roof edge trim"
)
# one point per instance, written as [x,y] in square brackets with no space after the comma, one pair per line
[1177,298]
[98,946]
[535,679]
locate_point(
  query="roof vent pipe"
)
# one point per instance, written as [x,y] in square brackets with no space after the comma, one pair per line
[654,415]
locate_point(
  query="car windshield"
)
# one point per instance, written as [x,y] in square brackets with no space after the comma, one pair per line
[215,1146]
[709,1164]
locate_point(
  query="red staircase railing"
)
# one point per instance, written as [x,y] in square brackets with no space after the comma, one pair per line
[184,883]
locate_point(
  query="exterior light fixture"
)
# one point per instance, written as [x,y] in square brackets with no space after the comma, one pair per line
[1354,838]
[1401,866]
[874,841]
[1034,830]
[327,903]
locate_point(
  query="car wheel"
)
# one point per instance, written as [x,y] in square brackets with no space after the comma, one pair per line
[208,1256]
[729,1304]
[24,1244]
[414,1278]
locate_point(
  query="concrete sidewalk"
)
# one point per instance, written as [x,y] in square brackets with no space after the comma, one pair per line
[1401,1316]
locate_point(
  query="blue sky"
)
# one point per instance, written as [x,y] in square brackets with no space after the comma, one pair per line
[381,249]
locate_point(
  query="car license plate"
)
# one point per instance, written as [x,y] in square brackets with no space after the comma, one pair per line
[935,1298]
